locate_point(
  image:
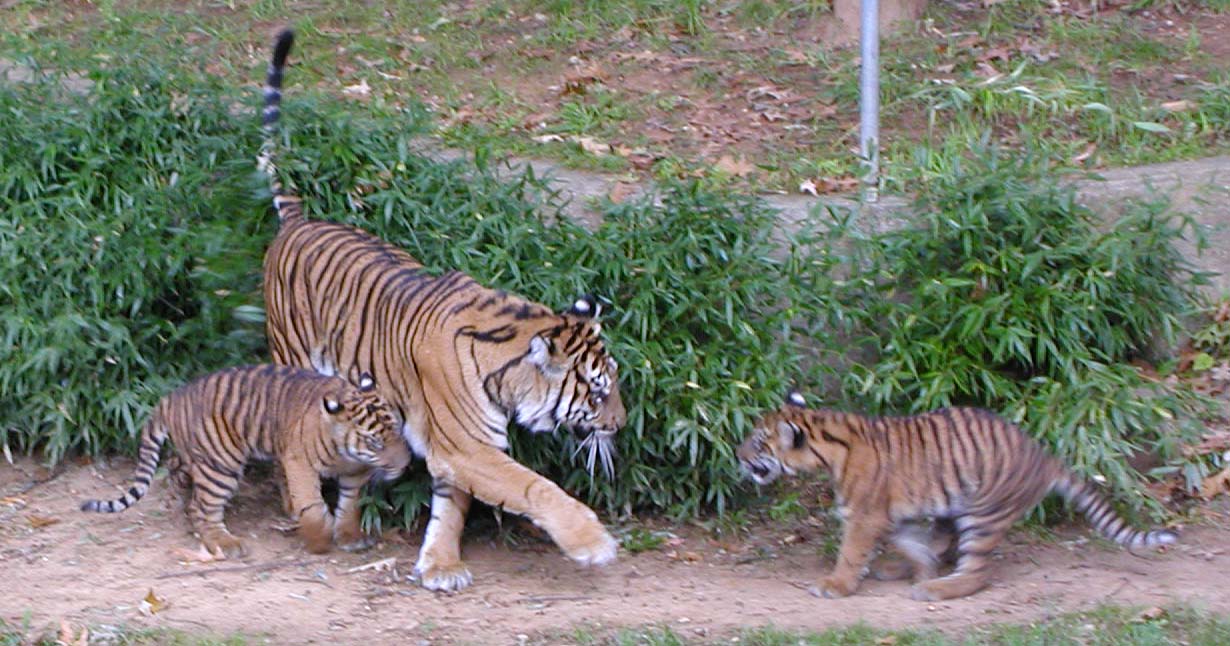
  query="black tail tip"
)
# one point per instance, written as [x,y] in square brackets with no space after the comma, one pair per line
[89,505]
[281,48]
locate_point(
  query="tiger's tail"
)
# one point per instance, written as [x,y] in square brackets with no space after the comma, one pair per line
[288,206]
[153,436]
[1086,499]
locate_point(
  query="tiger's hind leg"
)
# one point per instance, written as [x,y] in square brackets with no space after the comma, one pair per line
[212,488]
[978,537]
[913,541]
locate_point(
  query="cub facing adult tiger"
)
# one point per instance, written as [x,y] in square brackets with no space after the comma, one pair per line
[457,360]
[314,426]
[971,471]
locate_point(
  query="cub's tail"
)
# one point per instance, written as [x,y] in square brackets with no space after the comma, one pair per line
[153,435]
[287,206]
[1085,499]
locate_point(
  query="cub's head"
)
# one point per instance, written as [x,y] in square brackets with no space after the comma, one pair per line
[793,439]
[364,427]
[567,378]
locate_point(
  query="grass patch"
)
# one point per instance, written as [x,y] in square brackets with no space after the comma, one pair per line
[1092,90]
[1105,626]
[12,634]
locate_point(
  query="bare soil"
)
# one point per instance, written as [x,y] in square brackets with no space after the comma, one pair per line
[62,564]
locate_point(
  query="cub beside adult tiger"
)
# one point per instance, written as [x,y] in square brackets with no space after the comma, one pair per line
[457,360]
[313,425]
[970,471]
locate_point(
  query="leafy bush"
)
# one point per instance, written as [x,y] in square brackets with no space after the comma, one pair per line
[121,259]
[1009,295]
[134,227]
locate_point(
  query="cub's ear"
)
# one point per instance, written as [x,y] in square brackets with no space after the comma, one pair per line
[790,436]
[366,382]
[332,406]
[795,398]
[586,306]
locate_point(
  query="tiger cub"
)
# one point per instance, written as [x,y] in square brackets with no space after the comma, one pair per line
[314,426]
[970,471]
[457,360]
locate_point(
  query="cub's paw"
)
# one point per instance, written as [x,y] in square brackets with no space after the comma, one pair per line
[354,540]
[443,578]
[600,550]
[920,592]
[357,544]
[832,587]
[888,569]
[224,546]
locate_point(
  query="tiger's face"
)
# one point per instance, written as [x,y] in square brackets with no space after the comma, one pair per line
[568,379]
[367,429]
[785,442]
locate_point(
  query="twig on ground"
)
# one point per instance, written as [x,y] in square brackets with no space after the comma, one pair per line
[254,567]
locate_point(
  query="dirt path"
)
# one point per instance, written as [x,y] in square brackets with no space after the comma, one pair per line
[96,569]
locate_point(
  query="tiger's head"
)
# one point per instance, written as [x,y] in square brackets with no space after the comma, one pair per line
[365,428]
[793,439]
[567,378]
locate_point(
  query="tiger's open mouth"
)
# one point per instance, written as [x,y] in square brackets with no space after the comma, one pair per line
[761,471]
[599,446]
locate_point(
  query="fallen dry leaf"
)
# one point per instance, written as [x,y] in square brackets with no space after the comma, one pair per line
[995,53]
[152,604]
[1085,154]
[593,146]
[1178,106]
[1215,484]
[69,637]
[729,165]
[1151,614]
[360,89]
[621,192]
[38,522]
[890,640]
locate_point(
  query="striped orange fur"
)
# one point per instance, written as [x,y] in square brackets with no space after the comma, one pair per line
[457,360]
[313,426]
[969,472]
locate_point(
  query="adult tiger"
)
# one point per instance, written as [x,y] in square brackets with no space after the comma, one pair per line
[313,425]
[970,471]
[457,360]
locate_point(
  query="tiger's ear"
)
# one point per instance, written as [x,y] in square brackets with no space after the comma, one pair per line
[795,398]
[790,436]
[332,406]
[366,382]
[586,306]
[540,352]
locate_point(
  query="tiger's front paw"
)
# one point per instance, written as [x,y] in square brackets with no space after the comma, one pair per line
[832,587]
[597,547]
[357,544]
[352,539]
[443,578]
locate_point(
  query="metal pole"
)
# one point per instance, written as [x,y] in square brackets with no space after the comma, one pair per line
[869,97]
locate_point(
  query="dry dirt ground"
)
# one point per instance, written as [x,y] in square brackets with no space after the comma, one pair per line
[59,563]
